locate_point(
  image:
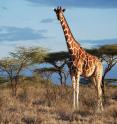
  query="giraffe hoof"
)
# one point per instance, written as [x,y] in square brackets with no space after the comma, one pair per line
[99,110]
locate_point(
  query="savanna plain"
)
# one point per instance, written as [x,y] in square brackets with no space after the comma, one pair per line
[40,102]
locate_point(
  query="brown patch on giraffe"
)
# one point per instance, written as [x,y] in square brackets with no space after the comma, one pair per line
[82,56]
[73,57]
[79,65]
[68,44]
[89,58]
[70,38]
[66,36]
[84,71]
[75,51]
[65,31]
[71,51]
[69,33]
[63,26]
[80,51]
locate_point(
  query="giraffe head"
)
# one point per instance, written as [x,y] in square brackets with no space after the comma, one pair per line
[59,12]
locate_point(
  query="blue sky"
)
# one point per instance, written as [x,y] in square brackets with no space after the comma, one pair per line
[34,23]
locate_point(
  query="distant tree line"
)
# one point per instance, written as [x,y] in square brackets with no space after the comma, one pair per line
[23,58]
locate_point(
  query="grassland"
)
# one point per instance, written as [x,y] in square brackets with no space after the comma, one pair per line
[40,102]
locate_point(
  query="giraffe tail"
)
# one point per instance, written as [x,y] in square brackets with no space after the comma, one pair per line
[103,90]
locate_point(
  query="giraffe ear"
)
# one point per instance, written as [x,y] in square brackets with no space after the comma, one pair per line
[55,10]
[63,10]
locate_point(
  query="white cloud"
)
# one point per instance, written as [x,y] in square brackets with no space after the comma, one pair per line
[17,34]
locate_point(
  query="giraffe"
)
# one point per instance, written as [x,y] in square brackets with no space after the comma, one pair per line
[81,63]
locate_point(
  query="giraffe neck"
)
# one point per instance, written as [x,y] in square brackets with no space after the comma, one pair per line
[68,34]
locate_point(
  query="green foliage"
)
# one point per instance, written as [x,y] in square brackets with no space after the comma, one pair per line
[56,56]
[109,49]
[94,51]
[104,50]
[31,54]
[18,60]
[58,60]
[8,65]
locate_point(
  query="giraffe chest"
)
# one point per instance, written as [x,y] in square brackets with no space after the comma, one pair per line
[82,61]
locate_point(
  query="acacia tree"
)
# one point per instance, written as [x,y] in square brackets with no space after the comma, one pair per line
[58,60]
[108,55]
[19,60]
[12,69]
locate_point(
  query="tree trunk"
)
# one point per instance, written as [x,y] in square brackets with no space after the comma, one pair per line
[14,81]
[61,78]
[12,86]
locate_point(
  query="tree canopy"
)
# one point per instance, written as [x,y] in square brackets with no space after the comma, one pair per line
[109,49]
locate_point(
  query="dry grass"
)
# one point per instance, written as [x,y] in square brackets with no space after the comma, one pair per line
[38,103]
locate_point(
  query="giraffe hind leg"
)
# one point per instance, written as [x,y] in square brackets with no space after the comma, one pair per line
[99,93]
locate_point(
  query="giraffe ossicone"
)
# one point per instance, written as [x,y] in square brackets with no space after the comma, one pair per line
[81,63]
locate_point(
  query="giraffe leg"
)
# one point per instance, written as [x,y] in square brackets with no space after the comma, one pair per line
[99,94]
[99,90]
[77,89]
[93,79]
[94,82]
[74,92]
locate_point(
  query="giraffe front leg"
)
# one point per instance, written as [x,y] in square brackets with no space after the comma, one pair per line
[74,99]
[74,92]
[77,90]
